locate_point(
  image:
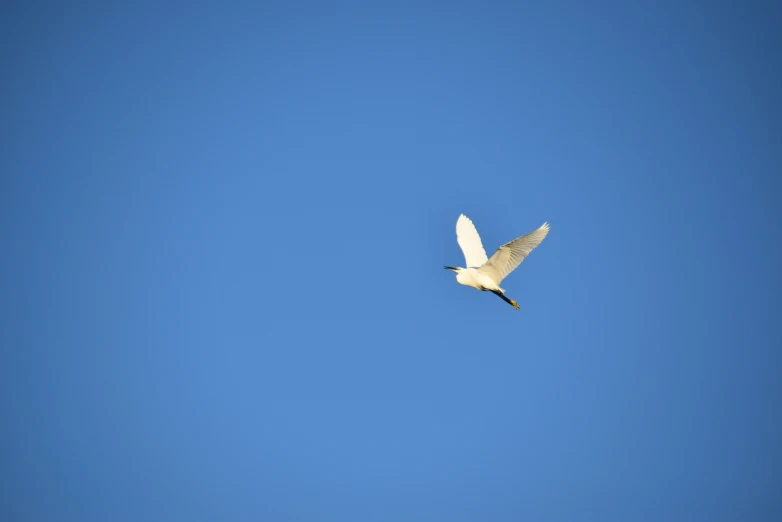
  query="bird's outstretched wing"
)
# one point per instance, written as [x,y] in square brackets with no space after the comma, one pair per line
[470,242]
[510,255]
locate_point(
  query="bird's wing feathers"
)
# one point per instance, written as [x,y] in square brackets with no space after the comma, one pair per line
[510,255]
[470,242]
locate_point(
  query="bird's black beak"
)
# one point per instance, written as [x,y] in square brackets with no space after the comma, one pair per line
[450,268]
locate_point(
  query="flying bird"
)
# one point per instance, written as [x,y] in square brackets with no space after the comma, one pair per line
[487,274]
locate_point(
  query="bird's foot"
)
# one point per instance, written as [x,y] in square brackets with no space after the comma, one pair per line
[512,302]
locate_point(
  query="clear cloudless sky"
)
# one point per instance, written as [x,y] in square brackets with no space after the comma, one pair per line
[223,227]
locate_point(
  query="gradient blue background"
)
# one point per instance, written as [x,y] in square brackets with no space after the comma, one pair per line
[223,230]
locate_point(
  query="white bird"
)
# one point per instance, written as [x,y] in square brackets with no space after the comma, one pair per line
[487,274]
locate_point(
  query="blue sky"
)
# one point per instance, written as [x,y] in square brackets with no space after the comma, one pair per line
[223,228]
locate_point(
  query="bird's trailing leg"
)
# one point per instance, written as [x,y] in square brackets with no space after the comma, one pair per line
[509,301]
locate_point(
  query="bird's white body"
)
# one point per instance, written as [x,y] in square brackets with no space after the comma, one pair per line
[486,274]
[475,278]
